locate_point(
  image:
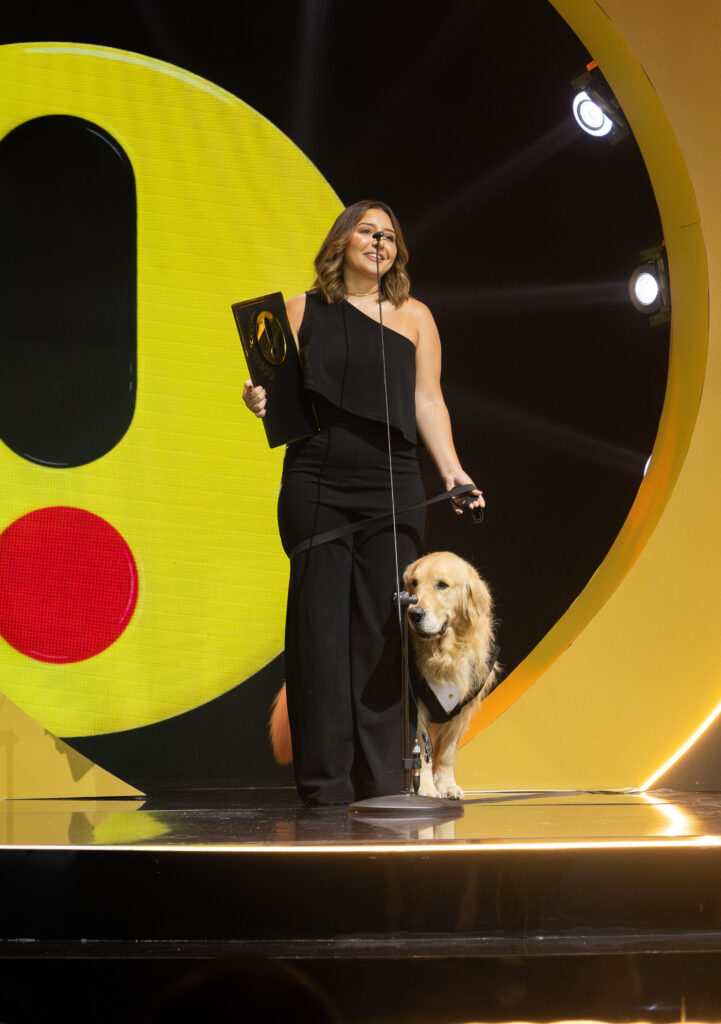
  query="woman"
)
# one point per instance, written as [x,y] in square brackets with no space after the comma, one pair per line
[343,642]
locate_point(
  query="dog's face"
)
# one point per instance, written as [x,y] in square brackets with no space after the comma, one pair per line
[451,595]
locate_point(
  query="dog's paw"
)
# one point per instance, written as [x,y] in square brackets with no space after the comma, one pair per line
[428,789]
[452,792]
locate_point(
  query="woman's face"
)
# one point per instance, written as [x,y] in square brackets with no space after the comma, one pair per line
[364,253]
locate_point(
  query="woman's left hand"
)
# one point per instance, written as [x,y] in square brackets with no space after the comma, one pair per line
[458,479]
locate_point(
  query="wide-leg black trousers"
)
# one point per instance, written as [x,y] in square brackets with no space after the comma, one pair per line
[342,639]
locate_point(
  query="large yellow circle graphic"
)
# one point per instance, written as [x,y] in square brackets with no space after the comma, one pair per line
[228,208]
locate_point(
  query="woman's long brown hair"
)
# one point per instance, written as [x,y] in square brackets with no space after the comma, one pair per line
[395,284]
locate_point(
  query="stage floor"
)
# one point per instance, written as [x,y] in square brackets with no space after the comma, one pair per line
[595,905]
[249,819]
[511,874]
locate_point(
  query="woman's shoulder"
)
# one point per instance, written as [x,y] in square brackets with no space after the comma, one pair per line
[296,309]
[416,309]
[297,302]
[417,317]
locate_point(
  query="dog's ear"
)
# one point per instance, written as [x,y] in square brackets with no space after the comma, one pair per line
[476,598]
[407,573]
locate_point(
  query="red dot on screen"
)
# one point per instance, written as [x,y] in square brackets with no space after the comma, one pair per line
[68,584]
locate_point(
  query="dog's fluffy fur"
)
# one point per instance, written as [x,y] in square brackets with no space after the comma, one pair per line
[451,630]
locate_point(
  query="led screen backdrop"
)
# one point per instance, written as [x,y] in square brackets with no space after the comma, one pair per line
[152,172]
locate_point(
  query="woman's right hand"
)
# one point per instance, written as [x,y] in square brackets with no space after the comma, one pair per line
[254,398]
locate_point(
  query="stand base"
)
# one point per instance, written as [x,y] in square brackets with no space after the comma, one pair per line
[402,805]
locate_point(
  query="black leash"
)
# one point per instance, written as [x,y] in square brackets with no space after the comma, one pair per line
[342,531]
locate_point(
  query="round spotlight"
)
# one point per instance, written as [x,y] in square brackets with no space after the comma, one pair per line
[590,116]
[644,288]
[648,286]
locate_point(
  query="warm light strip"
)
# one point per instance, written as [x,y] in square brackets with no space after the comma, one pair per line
[680,823]
[374,848]
[682,750]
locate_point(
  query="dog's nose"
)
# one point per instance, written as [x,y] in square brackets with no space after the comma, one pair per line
[416,614]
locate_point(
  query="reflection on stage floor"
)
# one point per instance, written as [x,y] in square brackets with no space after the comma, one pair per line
[246,819]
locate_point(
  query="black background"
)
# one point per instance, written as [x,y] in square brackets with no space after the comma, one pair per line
[522,232]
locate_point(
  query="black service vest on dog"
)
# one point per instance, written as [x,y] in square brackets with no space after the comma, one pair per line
[436,712]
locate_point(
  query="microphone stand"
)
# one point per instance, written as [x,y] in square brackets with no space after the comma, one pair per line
[408,803]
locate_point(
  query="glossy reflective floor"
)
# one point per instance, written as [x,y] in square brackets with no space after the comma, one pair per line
[526,906]
[246,819]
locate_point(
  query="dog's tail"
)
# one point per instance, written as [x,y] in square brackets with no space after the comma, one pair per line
[279,729]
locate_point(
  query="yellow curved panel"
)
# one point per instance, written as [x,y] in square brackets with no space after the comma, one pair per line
[634,666]
[36,765]
[228,208]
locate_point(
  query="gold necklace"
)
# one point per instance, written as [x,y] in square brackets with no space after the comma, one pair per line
[362,295]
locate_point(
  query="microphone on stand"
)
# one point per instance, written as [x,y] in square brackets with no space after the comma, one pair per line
[409,801]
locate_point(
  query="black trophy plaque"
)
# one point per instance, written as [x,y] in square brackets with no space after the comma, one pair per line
[273,362]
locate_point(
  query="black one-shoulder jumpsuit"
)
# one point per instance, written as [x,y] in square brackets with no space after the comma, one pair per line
[342,639]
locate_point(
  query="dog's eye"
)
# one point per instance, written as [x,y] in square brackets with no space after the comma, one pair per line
[441,585]
[414,582]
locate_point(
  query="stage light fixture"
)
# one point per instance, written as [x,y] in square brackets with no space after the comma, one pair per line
[590,116]
[644,287]
[648,286]
[595,108]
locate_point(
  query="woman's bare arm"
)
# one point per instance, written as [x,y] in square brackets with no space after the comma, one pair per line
[432,417]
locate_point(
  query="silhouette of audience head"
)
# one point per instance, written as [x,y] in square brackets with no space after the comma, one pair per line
[243,992]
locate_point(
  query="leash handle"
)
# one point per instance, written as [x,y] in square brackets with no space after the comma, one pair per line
[476,513]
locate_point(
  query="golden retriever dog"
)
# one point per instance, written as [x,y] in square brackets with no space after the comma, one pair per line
[451,630]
